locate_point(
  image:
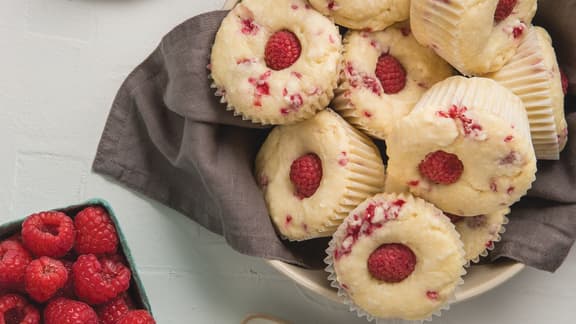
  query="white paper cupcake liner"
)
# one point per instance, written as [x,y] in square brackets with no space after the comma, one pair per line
[485,95]
[363,176]
[488,248]
[361,313]
[527,76]
[446,26]
[313,99]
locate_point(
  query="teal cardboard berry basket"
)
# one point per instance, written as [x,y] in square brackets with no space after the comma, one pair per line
[136,291]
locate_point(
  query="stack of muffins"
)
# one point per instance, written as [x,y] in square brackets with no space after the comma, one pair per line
[461,148]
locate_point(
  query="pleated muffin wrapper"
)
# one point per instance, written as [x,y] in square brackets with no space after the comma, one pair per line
[364,176]
[296,107]
[465,33]
[360,98]
[536,80]
[493,236]
[361,313]
[487,102]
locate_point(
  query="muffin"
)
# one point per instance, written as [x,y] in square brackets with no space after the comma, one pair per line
[275,66]
[475,37]
[384,74]
[314,172]
[478,233]
[465,147]
[396,256]
[533,75]
[365,15]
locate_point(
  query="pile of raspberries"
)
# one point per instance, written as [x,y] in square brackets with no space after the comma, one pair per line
[63,270]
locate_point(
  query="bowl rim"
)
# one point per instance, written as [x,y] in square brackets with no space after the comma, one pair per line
[510,270]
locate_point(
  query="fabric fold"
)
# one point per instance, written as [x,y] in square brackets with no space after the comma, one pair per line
[169,138]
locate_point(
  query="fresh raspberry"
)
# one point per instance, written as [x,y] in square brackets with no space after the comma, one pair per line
[68,289]
[48,234]
[504,9]
[113,310]
[441,167]
[564,78]
[97,281]
[282,50]
[68,311]
[95,232]
[137,317]
[14,309]
[13,262]
[44,277]
[391,262]
[391,74]
[306,174]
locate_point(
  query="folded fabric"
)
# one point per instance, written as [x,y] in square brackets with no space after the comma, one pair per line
[169,138]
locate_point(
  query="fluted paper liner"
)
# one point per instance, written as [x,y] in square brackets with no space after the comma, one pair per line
[365,178]
[308,109]
[465,34]
[333,278]
[528,76]
[490,239]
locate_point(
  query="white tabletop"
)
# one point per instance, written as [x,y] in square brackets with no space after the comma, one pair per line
[61,63]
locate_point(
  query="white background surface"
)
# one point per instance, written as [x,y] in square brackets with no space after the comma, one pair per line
[61,63]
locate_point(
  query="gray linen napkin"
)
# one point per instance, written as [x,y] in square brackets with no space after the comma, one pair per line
[168,137]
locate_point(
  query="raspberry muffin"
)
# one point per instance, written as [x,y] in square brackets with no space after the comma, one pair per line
[314,172]
[275,66]
[396,256]
[478,233]
[475,37]
[465,147]
[533,75]
[384,75]
[366,15]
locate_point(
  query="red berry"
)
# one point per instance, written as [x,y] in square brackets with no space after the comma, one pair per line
[44,277]
[68,311]
[306,174]
[564,78]
[391,262]
[282,50]
[68,289]
[48,234]
[95,232]
[15,309]
[13,262]
[504,9]
[137,317]
[113,310]
[391,74]
[97,281]
[441,167]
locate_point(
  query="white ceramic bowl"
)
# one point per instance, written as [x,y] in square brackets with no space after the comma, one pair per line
[480,278]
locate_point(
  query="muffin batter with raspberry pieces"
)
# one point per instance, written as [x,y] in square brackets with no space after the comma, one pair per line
[479,233]
[366,15]
[396,256]
[465,147]
[276,65]
[314,172]
[384,74]
[475,37]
